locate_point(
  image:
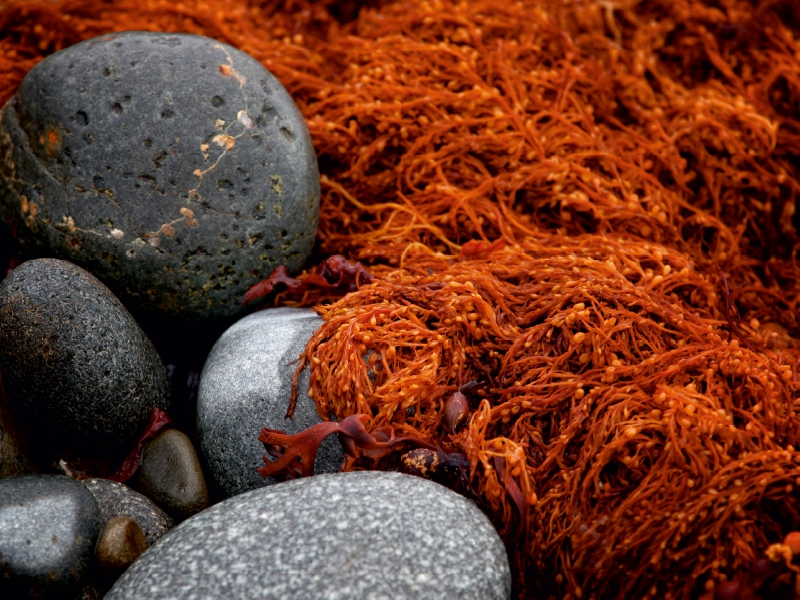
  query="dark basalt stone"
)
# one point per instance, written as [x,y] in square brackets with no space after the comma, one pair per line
[74,360]
[48,528]
[175,168]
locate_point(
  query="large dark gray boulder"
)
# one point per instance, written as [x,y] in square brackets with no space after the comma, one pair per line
[335,536]
[74,360]
[48,528]
[245,386]
[173,167]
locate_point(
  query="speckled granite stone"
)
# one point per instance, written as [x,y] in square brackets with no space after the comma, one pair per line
[367,535]
[173,167]
[74,359]
[48,528]
[118,500]
[245,386]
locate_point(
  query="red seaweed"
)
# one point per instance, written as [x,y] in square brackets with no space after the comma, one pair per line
[158,420]
[13,263]
[334,275]
[296,453]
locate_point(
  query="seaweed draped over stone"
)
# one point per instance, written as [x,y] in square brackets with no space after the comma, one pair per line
[636,406]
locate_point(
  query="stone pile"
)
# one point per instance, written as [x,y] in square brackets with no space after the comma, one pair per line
[162,175]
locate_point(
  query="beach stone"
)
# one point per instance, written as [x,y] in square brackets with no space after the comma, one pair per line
[48,528]
[121,542]
[245,386]
[171,475]
[118,500]
[345,535]
[173,167]
[74,359]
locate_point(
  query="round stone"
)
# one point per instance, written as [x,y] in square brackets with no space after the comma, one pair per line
[245,386]
[334,536]
[121,542]
[171,475]
[173,167]
[118,500]
[74,360]
[49,526]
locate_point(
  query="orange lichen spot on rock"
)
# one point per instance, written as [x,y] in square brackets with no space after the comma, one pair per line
[189,214]
[52,140]
[223,140]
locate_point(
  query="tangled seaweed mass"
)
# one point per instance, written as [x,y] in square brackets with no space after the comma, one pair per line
[582,215]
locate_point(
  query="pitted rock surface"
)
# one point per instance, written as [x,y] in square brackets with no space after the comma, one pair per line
[245,386]
[74,360]
[118,500]
[48,528]
[173,167]
[338,536]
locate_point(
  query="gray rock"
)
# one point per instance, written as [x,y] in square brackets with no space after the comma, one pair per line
[49,526]
[245,386]
[74,359]
[118,500]
[173,167]
[347,535]
[171,476]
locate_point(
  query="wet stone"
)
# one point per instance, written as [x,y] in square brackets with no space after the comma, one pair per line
[118,500]
[171,476]
[73,359]
[335,536]
[245,386]
[121,542]
[48,528]
[173,167]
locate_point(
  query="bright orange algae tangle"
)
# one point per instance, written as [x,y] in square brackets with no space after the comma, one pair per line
[543,191]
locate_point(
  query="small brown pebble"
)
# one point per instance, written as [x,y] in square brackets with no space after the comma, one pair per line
[456,410]
[121,542]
